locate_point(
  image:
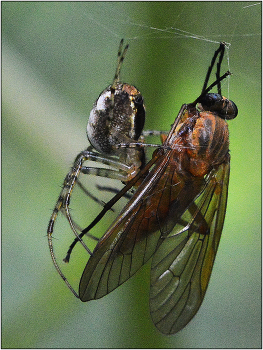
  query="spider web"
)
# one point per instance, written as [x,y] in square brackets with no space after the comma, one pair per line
[91,57]
[57,58]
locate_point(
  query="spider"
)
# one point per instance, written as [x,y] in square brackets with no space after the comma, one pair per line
[117,118]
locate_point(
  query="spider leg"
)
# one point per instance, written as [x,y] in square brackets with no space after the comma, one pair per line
[62,204]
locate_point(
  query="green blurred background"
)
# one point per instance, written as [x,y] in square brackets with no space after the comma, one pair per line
[56,58]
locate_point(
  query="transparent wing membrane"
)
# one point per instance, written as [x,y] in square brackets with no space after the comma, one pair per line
[182,265]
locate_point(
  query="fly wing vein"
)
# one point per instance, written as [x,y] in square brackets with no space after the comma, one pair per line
[182,265]
[119,253]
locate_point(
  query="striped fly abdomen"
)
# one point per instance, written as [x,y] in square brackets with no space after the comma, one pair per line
[207,143]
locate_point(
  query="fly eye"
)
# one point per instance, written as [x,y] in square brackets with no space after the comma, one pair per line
[222,106]
[212,102]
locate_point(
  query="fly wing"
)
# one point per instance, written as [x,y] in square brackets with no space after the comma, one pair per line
[124,248]
[182,264]
[132,238]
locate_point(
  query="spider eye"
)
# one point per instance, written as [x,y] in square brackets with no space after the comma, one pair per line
[222,106]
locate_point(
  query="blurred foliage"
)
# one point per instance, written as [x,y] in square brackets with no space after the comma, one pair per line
[56,58]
